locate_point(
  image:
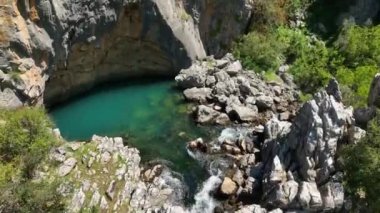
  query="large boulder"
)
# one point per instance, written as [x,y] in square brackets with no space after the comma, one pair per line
[242,113]
[199,95]
[374,93]
[309,196]
[206,114]
[228,187]
[195,76]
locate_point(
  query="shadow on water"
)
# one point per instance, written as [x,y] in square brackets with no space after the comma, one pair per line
[150,114]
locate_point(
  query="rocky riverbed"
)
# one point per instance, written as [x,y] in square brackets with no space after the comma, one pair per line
[277,156]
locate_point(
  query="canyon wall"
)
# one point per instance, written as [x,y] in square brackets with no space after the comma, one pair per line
[51,50]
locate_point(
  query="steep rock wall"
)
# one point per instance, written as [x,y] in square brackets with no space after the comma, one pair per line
[73,45]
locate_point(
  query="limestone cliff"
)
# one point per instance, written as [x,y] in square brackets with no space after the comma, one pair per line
[69,46]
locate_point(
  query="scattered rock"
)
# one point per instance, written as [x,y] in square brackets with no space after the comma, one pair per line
[111,190]
[195,76]
[243,113]
[77,201]
[222,119]
[67,166]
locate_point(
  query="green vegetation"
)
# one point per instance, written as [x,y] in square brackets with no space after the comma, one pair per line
[353,58]
[260,52]
[351,55]
[268,51]
[362,168]
[359,56]
[25,140]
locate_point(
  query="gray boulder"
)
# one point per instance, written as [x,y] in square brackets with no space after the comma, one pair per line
[67,166]
[309,196]
[199,95]
[205,114]
[333,89]
[252,209]
[195,76]
[264,102]
[234,68]
[242,113]
[374,93]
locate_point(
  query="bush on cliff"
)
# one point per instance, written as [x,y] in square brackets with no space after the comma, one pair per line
[25,139]
[260,52]
[362,168]
[308,57]
[359,49]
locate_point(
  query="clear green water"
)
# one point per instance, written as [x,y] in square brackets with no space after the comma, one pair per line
[152,116]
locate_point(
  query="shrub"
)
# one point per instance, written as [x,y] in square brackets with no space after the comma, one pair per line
[309,58]
[260,52]
[362,168]
[359,49]
[25,139]
[24,136]
[359,45]
[30,196]
[358,81]
[268,14]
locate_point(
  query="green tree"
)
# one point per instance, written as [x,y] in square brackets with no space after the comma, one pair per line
[260,52]
[362,168]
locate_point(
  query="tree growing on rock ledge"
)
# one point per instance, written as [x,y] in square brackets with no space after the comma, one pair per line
[362,168]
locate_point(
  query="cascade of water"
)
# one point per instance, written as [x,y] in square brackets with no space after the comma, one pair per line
[204,202]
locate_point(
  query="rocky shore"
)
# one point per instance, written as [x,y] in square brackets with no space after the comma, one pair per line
[106,175]
[228,94]
[276,158]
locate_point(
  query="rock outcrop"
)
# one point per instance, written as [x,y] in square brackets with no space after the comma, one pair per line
[227,93]
[287,165]
[53,50]
[106,174]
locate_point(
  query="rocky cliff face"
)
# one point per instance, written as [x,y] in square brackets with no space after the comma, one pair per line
[69,46]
